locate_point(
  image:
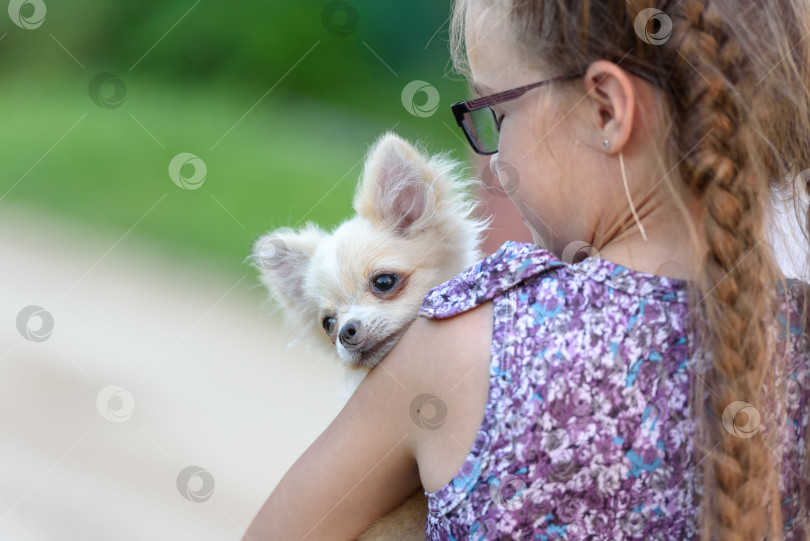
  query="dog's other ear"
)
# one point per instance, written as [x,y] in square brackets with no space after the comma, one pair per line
[394,189]
[282,257]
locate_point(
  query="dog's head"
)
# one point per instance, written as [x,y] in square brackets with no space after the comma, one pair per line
[358,288]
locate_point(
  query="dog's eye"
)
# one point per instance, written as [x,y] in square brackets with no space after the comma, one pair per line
[385,282]
[328,324]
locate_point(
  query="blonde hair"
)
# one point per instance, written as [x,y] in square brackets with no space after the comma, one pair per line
[734,78]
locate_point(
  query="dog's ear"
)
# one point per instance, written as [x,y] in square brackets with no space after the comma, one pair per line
[395,187]
[282,257]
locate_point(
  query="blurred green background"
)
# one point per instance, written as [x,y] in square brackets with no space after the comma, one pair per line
[280,100]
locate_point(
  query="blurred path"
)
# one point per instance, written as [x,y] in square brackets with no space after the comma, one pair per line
[202,379]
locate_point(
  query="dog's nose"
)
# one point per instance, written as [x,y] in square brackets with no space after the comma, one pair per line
[351,334]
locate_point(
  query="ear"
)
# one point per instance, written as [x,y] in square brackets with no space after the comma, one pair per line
[283,257]
[613,101]
[394,189]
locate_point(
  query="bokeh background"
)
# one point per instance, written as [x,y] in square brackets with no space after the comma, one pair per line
[279,99]
[146,391]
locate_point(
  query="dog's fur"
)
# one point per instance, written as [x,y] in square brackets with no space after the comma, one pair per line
[413,230]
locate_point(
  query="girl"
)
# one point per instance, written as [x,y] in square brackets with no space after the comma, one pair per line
[656,389]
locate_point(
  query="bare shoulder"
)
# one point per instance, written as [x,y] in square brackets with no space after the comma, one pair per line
[436,348]
[442,367]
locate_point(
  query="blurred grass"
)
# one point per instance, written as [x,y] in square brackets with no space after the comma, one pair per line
[288,161]
[295,157]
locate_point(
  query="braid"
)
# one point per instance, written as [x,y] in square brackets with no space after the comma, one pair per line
[728,166]
[718,144]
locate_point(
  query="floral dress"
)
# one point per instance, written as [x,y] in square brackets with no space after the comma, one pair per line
[586,433]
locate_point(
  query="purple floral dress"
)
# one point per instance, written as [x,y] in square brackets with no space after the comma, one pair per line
[582,438]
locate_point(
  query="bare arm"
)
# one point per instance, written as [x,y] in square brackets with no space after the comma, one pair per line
[363,465]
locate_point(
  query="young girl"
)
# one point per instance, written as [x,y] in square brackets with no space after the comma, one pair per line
[657,389]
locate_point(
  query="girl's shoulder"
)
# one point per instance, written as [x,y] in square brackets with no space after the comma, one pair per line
[524,266]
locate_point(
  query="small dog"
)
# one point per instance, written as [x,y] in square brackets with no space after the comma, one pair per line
[357,289]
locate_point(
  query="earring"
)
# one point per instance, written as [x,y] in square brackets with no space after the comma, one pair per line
[629,199]
[606,143]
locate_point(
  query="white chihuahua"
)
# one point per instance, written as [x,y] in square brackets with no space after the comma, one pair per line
[357,289]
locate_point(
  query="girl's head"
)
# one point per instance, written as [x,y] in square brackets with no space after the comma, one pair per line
[566,137]
[708,106]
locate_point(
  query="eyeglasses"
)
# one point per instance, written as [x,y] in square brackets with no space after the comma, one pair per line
[480,123]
